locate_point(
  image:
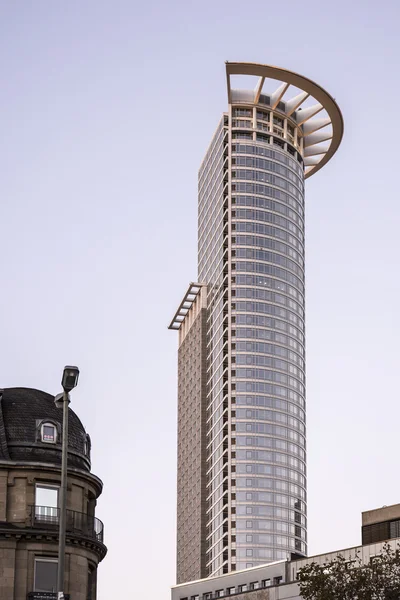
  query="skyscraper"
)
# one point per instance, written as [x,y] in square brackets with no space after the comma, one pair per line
[241,358]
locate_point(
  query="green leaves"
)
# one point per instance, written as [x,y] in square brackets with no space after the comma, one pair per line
[342,579]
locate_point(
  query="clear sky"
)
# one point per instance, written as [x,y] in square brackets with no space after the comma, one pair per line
[106,109]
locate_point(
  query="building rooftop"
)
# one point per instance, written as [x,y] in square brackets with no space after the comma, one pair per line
[24,414]
[299,98]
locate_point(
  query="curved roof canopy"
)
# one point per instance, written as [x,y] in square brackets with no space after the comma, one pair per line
[316,130]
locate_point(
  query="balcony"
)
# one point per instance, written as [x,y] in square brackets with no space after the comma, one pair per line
[80,524]
[45,596]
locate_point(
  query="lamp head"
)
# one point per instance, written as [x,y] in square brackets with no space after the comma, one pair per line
[70,378]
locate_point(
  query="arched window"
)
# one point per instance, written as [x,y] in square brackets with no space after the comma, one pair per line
[48,433]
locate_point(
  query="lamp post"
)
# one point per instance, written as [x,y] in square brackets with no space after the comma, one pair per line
[69,382]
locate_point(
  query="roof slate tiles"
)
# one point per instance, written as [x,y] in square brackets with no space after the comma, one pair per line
[21,412]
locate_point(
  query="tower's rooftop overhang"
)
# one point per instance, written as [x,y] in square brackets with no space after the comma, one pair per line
[322,134]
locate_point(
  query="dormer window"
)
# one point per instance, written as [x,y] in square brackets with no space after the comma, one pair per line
[86,446]
[49,433]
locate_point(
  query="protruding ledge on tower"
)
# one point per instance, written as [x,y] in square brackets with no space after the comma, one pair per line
[189,298]
[313,129]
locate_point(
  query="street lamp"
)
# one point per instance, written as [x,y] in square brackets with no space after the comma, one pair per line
[69,382]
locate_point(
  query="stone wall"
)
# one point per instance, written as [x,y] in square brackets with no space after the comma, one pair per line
[191,512]
[7,569]
[21,543]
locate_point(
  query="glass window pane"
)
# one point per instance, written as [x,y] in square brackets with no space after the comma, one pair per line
[49,433]
[46,496]
[46,503]
[45,575]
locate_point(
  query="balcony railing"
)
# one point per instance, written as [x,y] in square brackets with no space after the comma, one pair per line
[44,596]
[77,523]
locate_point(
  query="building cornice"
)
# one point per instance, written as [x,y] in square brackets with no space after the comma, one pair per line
[51,537]
[52,468]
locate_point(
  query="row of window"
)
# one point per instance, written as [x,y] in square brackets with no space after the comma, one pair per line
[277,128]
[270,389]
[270,442]
[269,257]
[262,469]
[267,375]
[275,512]
[244,123]
[268,309]
[259,483]
[248,112]
[260,360]
[247,135]
[262,292]
[276,540]
[230,591]
[270,296]
[261,321]
[267,203]
[270,231]
[242,112]
[270,402]
[268,429]
[267,334]
[259,538]
[271,498]
[266,269]
[250,175]
[243,523]
[270,415]
[262,348]
[272,244]
[268,165]
[295,200]
[259,285]
[261,114]
[267,215]
[266,139]
[269,153]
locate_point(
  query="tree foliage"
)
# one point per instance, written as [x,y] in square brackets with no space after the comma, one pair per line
[342,579]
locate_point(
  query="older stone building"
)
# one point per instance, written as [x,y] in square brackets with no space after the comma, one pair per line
[30,469]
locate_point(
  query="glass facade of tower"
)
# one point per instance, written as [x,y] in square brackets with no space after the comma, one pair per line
[251,394]
[251,257]
[267,349]
[213,257]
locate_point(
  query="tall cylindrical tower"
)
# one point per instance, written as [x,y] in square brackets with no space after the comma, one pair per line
[267,331]
[251,276]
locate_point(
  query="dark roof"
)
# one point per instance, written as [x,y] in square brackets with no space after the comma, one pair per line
[22,411]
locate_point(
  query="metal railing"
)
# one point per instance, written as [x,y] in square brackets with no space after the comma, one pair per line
[77,523]
[44,596]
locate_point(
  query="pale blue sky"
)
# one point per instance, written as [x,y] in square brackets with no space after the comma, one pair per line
[106,110]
